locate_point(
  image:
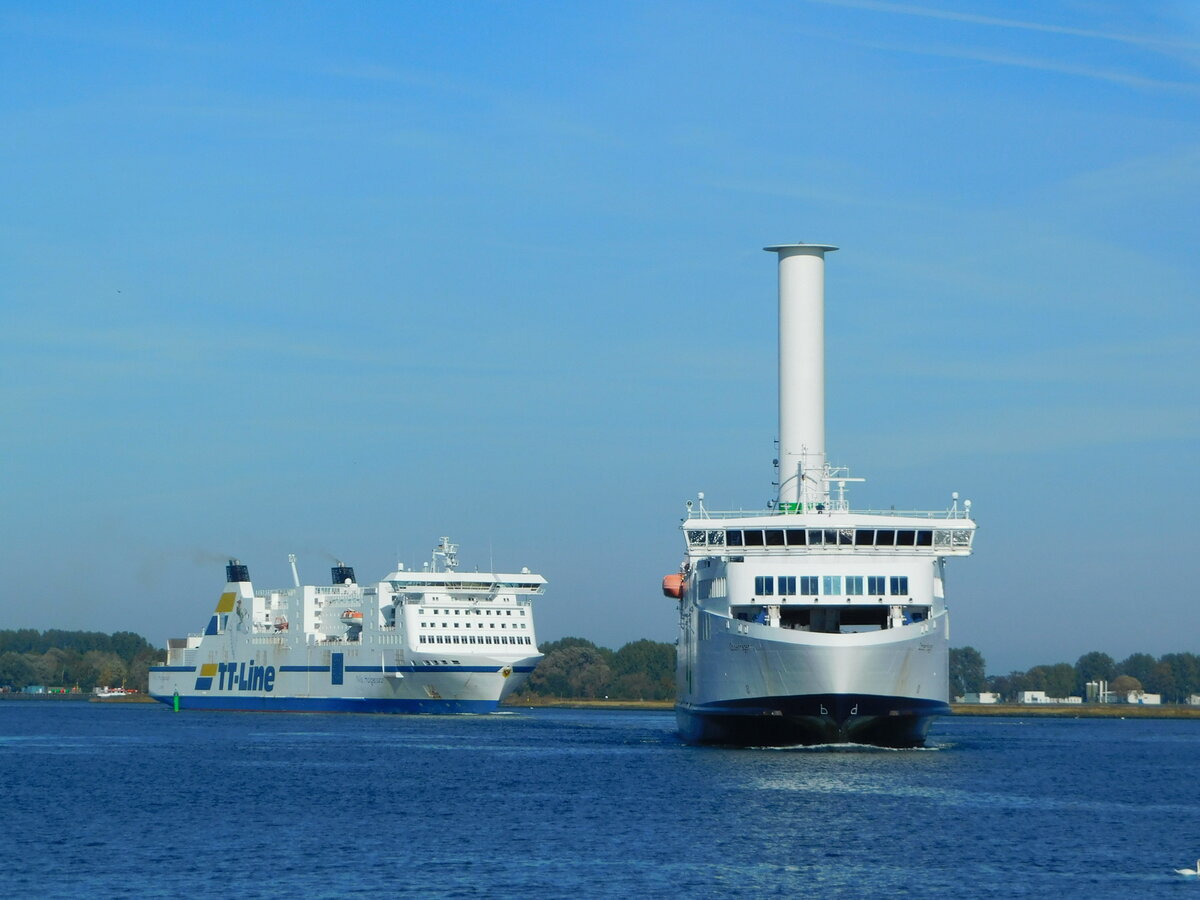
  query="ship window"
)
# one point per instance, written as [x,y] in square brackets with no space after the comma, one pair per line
[885,537]
[764,585]
[831,537]
[734,538]
[795,537]
[753,538]
[864,537]
[876,585]
[832,585]
[815,537]
[924,538]
[696,538]
[846,537]
[808,585]
[774,537]
[716,539]
[787,585]
[899,584]
[905,538]
[854,585]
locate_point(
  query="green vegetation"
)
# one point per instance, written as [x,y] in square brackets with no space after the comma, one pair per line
[575,668]
[1175,676]
[86,659]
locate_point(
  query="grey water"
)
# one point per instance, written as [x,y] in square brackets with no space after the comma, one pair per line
[133,800]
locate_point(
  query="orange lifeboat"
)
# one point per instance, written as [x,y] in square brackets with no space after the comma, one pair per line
[673,586]
[352,617]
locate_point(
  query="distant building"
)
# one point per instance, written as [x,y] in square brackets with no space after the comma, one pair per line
[1040,697]
[1193,700]
[980,698]
[1142,698]
[35,689]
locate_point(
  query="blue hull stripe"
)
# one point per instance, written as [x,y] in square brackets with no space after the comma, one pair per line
[329,704]
[172,668]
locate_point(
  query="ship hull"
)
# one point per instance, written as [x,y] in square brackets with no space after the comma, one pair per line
[754,685]
[276,682]
[811,719]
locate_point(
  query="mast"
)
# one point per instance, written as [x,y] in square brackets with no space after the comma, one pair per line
[802,478]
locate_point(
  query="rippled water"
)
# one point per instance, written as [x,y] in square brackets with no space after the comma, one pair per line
[134,800]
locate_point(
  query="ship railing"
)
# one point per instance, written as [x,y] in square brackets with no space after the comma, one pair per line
[833,507]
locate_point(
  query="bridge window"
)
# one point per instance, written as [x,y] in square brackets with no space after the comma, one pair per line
[864,537]
[905,538]
[885,537]
[716,539]
[796,537]
[774,537]
[924,538]
[734,538]
[753,538]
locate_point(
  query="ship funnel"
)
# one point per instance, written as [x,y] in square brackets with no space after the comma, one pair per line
[342,574]
[803,483]
[236,572]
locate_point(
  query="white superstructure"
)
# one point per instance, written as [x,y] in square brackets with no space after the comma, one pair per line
[434,640]
[809,622]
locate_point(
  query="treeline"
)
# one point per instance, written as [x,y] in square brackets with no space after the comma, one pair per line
[576,668]
[1175,676]
[69,659]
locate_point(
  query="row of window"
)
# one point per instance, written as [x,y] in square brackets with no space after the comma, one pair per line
[830,537]
[468,612]
[830,585]
[471,639]
[468,625]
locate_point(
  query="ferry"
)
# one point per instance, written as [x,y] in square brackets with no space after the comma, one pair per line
[433,640]
[808,622]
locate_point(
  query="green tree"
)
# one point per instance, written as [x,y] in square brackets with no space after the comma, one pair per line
[1137,665]
[17,670]
[572,671]
[966,671]
[644,670]
[1184,679]
[1094,666]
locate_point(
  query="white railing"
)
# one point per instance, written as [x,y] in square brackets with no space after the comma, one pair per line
[695,515]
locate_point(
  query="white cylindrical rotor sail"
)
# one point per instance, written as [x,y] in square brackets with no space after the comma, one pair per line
[802,482]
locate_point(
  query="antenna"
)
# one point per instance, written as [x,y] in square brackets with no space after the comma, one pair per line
[295,574]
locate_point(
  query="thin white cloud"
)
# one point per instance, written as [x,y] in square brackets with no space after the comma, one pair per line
[906,9]
[1113,76]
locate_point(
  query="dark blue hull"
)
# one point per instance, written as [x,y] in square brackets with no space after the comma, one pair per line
[811,719]
[235,703]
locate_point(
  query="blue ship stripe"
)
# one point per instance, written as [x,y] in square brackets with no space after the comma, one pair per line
[327,704]
[172,668]
[204,684]
[304,668]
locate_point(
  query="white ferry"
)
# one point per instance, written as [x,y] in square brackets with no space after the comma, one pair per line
[430,641]
[808,622]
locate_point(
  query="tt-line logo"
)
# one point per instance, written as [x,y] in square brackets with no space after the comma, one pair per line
[245,677]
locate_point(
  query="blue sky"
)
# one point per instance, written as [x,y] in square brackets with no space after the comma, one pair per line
[337,279]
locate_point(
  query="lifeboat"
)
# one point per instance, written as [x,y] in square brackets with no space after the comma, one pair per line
[673,586]
[352,617]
